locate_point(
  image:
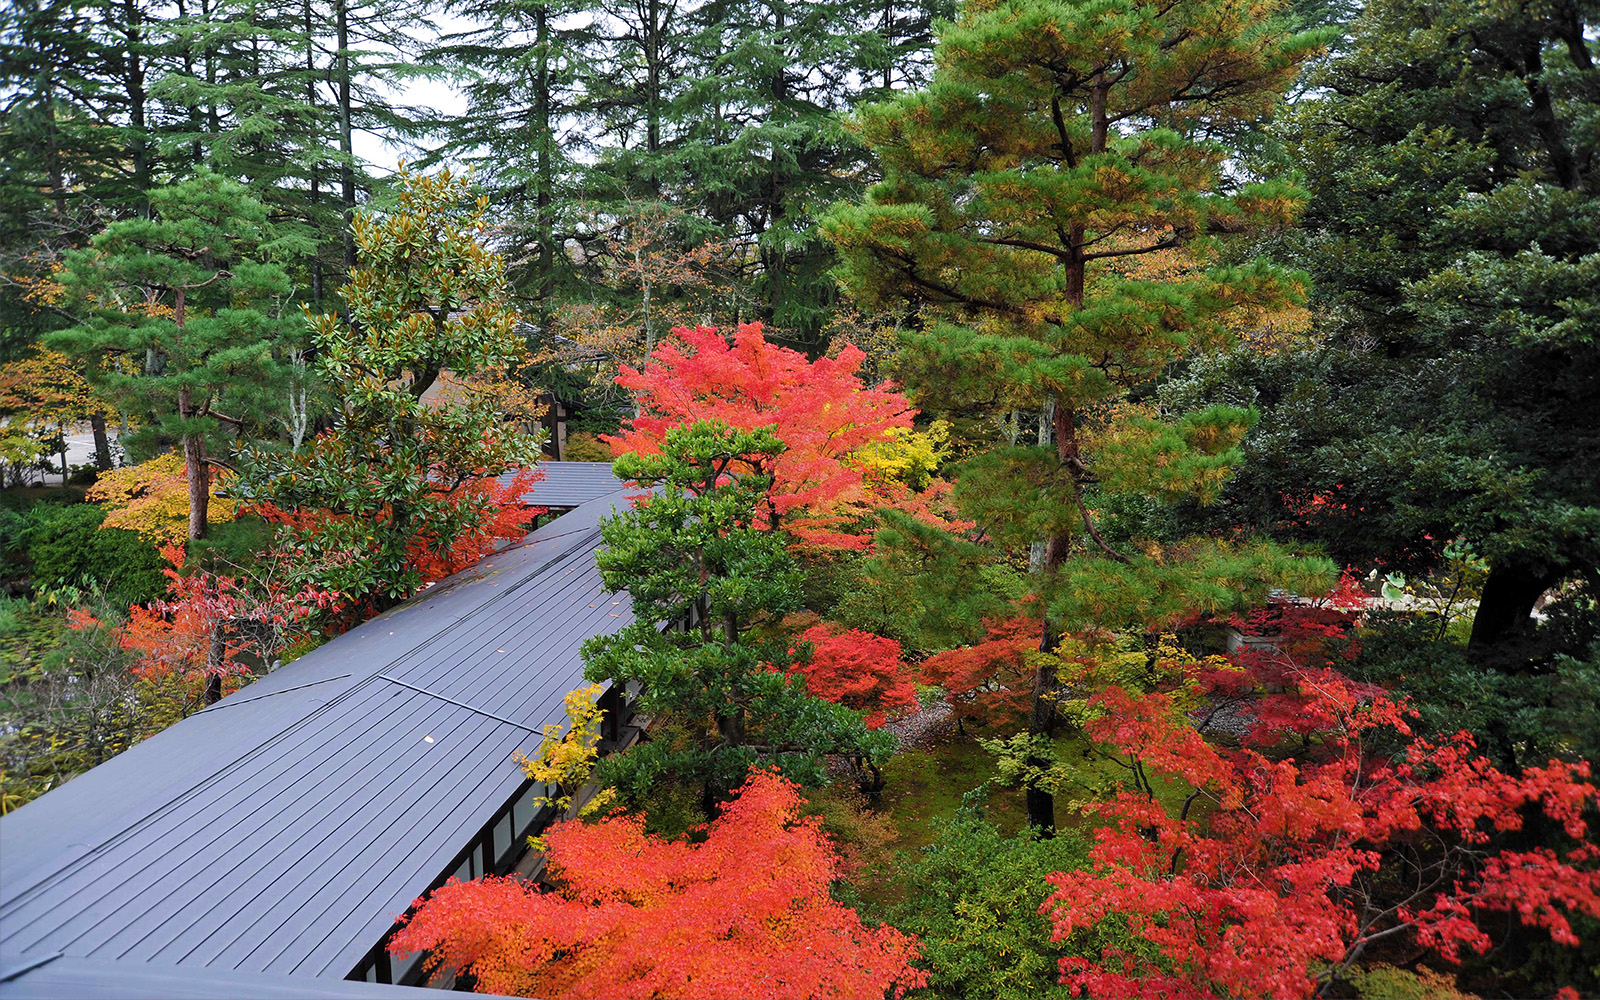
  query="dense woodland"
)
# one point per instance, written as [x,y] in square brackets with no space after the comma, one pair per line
[1124,476]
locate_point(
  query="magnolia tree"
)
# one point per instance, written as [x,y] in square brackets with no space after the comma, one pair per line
[743,912]
[404,489]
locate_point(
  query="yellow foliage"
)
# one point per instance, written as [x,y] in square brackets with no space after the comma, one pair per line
[45,388]
[906,455]
[152,498]
[1088,664]
[565,760]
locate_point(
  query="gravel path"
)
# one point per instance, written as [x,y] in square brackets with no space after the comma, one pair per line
[918,729]
[911,732]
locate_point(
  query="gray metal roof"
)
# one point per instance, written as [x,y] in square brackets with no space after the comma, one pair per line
[568,484]
[283,829]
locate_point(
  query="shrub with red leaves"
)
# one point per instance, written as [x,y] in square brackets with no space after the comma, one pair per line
[859,670]
[1308,858]
[743,914]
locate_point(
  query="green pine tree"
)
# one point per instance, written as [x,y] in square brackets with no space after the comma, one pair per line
[1454,234]
[181,317]
[1058,145]
[704,580]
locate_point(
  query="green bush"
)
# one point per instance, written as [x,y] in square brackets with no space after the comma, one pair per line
[60,540]
[67,547]
[976,910]
[585,448]
[1519,718]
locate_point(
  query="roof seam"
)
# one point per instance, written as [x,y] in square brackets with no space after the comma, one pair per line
[458,704]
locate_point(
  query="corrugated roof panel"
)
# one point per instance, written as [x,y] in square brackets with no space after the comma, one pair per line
[74,978]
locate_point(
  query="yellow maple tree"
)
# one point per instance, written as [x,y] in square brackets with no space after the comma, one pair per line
[152,498]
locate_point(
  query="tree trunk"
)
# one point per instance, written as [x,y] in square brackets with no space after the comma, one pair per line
[134,85]
[314,201]
[199,475]
[347,175]
[216,653]
[652,59]
[194,447]
[1507,602]
[545,144]
[102,441]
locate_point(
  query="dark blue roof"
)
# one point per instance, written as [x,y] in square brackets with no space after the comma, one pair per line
[283,829]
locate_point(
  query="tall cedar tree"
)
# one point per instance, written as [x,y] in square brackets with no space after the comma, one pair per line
[744,912]
[691,554]
[402,482]
[1057,141]
[180,318]
[522,127]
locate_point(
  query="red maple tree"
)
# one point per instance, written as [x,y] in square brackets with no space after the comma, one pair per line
[821,410]
[1309,857]
[209,620]
[991,681]
[860,670]
[744,913]
[507,520]
[499,515]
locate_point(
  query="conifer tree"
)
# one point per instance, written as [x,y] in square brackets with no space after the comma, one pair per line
[693,552]
[179,317]
[522,71]
[1454,224]
[1058,143]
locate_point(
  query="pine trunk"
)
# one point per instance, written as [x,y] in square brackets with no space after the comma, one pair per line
[102,441]
[1509,595]
[347,175]
[194,447]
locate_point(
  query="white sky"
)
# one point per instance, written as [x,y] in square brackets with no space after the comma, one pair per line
[440,95]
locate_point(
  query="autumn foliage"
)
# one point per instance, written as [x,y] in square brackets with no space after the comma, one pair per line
[214,625]
[821,410]
[990,681]
[152,498]
[1313,846]
[860,670]
[743,914]
[492,511]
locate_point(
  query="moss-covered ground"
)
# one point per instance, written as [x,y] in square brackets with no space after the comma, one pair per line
[926,785]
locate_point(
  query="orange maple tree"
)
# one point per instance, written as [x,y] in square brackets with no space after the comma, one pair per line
[991,681]
[821,410]
[215,628]
[745,913]
[152,498]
